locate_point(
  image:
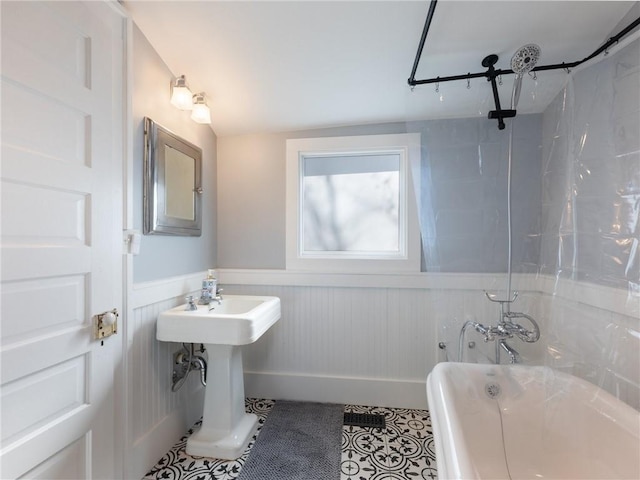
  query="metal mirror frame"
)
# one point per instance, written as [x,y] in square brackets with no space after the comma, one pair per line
[156,221]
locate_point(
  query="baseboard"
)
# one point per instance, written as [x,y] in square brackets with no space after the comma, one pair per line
[348,390]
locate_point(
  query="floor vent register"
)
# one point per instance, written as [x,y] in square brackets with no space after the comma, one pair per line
[364,420]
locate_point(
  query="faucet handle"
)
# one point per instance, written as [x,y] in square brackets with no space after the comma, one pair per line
[528,336]
[191,304]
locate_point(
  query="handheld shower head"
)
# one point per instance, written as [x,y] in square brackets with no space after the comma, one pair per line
[523,61]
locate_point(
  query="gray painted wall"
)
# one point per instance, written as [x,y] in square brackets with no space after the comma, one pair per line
[465,160]
[251,194]
[164,256]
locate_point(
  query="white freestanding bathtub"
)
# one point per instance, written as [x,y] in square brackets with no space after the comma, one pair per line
[522,422]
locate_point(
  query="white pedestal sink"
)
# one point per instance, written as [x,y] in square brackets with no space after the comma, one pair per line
[223,328]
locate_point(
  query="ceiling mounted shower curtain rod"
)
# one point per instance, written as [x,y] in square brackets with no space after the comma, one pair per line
[492,73]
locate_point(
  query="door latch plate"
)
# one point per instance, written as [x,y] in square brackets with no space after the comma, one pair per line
[105,324]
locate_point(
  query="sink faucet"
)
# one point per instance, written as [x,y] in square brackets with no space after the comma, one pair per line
[218,296]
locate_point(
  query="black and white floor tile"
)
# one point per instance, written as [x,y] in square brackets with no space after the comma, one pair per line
[178,465]
[404,450]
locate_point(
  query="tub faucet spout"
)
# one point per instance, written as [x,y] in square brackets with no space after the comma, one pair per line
[514,356]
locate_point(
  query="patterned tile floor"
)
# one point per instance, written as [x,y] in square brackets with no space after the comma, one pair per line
[404,450]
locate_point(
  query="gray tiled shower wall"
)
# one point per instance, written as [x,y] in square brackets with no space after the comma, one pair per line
[463,199]
[591,174]
[575,183]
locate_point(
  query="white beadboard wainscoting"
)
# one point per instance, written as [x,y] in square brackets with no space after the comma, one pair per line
[371,340]
[359,339]
[157,416]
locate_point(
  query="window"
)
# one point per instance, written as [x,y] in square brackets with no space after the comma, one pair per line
[350,204]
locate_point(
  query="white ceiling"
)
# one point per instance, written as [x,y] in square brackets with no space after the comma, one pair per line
[291,65]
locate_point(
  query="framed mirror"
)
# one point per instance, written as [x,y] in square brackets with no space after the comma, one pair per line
[172,183]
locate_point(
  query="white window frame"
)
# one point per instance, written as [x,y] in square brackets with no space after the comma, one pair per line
[408,260]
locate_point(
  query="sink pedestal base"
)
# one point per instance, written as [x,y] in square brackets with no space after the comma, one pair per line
[226,427]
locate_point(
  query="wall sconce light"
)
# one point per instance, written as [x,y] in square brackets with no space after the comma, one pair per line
[181,96]
[201,112]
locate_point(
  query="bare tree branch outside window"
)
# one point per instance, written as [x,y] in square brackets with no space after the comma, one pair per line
[352,212]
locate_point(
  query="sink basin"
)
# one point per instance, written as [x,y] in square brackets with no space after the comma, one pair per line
[223,328]
[237,320]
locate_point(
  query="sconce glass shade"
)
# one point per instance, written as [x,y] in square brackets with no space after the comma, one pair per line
[201,112]
[181,96]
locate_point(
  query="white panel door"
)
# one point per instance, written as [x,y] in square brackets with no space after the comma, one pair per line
[61,187]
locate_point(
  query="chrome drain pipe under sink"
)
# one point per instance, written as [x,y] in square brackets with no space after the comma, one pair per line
[186,361]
